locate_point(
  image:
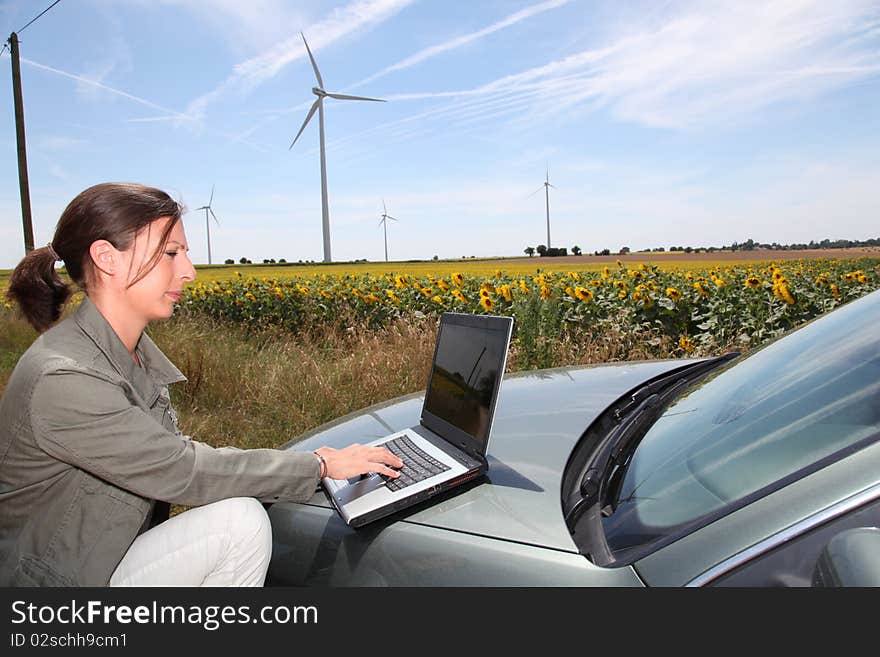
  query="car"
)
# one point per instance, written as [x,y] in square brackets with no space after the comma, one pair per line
[755,469]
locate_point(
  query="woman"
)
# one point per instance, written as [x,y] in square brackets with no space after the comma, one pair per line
[90,452]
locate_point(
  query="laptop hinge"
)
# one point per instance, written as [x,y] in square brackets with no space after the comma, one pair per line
[468,459]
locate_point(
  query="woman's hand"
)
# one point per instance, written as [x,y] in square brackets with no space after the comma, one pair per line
[359,459]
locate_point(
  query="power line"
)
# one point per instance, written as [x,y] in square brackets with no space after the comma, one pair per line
[38,15]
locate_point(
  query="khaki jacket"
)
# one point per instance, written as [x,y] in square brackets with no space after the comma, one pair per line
[88,444]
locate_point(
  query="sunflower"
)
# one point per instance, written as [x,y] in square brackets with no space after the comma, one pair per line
[781,291]
[457,278]
[673,293]
[486,302]
[685,343]
[753,282]
[583,294]
[505,291]
[438,300]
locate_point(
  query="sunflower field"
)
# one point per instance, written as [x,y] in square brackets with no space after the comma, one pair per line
[678,312]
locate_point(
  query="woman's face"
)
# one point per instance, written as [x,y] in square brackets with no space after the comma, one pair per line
[153,297]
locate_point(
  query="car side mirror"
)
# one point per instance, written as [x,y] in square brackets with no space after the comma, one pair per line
[851,558]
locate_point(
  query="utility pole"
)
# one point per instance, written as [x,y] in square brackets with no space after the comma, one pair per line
[22,149]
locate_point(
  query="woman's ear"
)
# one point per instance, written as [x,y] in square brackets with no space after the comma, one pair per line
[105,257]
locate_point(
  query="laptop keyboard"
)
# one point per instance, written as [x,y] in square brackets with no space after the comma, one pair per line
[417,465]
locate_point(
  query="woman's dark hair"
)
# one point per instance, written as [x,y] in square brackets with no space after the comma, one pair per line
[115,212]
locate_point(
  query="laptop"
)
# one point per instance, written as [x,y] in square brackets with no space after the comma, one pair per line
[448,446]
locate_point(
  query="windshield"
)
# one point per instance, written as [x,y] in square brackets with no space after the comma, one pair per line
[770,414]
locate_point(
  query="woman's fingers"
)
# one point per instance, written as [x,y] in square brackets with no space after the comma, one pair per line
[382,455]
[384,470]
[360,459]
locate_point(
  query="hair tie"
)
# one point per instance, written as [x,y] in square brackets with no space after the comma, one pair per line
[52,252]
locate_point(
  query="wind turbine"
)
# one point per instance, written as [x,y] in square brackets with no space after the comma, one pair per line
[319,106]
[384,223]
[547,187]
[207,209]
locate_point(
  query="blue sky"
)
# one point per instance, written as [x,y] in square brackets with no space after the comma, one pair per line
[662,123]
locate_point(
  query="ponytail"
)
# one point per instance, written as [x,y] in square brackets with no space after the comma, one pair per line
[38,289]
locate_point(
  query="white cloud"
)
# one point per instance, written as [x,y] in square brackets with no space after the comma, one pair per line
[700,65]
[458,42]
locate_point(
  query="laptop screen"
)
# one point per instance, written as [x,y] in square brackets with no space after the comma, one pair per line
[466,373]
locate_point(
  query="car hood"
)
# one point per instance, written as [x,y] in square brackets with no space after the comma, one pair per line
[540,416]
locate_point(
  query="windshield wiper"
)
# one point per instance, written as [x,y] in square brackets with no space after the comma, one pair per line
[629,420]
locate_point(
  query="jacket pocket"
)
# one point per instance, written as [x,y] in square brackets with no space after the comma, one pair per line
[36,572]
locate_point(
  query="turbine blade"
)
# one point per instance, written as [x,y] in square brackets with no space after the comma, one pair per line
[392,218]
[384,209]
[347,97]
[305,123]
[204,207]
[214,215]
[212,196]
[535,192]
[314,63]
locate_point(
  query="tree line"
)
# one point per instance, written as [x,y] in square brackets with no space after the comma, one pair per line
[748,245]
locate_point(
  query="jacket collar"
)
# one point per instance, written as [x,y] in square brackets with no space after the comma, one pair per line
[157,370]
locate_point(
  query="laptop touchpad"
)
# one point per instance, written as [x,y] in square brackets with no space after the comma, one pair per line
[358,487]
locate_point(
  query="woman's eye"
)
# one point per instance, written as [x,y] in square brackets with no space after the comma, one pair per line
[171,253]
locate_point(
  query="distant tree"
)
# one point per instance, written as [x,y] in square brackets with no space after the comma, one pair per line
[529,251]
[688,249]
[623,250]
[603,252]
[282,261]
[576,250]
[244,261]
[541,249]
[265,261]
[229,261]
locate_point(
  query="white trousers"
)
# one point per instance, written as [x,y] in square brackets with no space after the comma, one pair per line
[227,543]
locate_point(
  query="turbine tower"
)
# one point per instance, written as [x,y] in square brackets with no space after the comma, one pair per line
[384,223]
[547,187]
[207,209]
[319,106]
